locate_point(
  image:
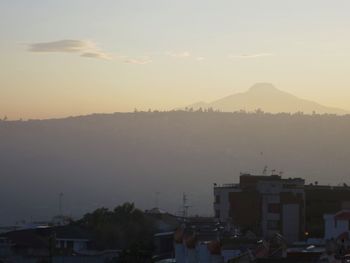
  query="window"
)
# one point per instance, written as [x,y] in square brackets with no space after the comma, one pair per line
[217,213]
[335,223]
[273,224]
[274,208]
[217,199]
[70,244]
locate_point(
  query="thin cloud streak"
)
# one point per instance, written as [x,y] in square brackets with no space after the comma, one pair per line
[86,48]
[98,55]
[89,49]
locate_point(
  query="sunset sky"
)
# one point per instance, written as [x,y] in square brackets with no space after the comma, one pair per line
[73,57]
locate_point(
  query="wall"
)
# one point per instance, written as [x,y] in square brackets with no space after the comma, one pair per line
[334,229]
[291,222]
[224,205]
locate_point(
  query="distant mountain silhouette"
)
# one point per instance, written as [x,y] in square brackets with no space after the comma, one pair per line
[266,97]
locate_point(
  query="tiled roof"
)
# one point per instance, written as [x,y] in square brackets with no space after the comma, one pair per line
[343,215]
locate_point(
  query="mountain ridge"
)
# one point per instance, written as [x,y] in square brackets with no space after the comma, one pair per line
[266,97]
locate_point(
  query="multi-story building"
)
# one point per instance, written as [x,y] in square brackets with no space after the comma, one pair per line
[222,200]
[270,204]
[263,204]
[321,200]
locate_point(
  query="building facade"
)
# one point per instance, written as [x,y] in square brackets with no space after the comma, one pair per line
[323,199]
[337,226]
[263,204]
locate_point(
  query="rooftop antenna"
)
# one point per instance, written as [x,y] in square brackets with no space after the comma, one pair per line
[185,205]
[265,170]
[60,199]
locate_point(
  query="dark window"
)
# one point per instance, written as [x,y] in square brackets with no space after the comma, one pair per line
[217,213]
[70,244]
[274,208]
[217,199]
[335,223]
[272,224]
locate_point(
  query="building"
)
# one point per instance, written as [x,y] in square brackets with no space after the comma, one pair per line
[221,200]
[59,244]
[198,240]
[263,204]
[320,200]
[5,249]
[337,226]
[270,204]
[72,238]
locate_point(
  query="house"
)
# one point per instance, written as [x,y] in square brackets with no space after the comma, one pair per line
[164,221]
[48,242]
[72,237]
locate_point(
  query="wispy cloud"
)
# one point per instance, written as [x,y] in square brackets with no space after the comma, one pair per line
[139,61]
[85,48]
[183,54]
[253,55]
[99,55]
[200,58]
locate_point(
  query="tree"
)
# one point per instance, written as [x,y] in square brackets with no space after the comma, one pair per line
[124,228]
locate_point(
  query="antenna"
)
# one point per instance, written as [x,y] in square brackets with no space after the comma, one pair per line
[265,170]
[185,205]
[60,199]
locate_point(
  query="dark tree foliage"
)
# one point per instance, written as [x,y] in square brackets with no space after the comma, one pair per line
[126,227]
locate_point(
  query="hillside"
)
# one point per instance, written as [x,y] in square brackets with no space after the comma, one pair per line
[106,159]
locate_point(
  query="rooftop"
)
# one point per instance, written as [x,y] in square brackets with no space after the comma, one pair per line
[343,215]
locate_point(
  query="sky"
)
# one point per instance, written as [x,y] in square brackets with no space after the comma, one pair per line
[73,57]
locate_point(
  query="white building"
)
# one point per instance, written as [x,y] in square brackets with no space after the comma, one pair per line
[282,213]
[222,200]
[264,204]
[337,226]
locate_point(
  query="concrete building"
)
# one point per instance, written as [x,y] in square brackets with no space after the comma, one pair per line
[198,240]
[337,226]
[222,200]
[263,204]
[320,200]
